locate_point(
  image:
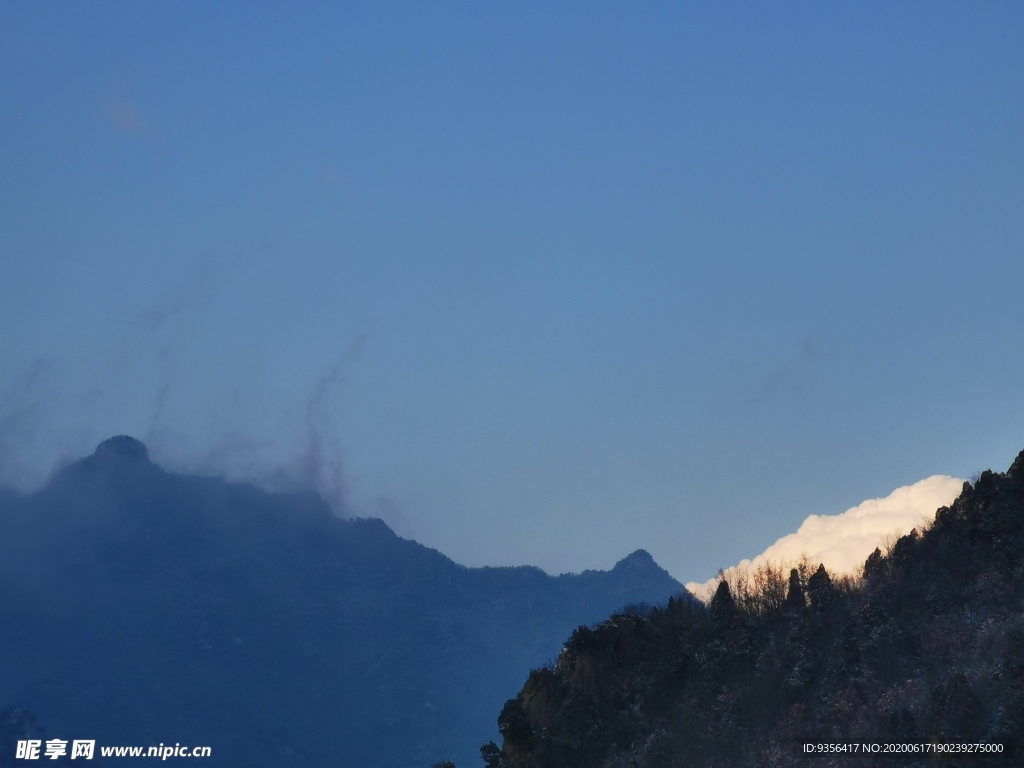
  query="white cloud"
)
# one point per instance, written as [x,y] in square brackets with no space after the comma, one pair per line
[843,542]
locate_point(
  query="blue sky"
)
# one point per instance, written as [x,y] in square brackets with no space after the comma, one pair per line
[535,283]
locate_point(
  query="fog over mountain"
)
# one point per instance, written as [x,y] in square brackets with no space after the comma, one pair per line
[154,607]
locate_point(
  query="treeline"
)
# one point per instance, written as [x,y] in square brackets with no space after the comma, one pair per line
[925,646]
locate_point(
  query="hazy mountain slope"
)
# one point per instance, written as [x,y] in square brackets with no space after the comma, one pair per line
[927,647]
[150,607]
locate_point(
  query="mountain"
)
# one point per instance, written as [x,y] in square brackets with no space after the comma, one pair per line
[141,606]
[925,648]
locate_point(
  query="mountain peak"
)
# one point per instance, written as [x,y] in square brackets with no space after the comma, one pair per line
[639,558]
[640,565]
[640,554]
[122,447]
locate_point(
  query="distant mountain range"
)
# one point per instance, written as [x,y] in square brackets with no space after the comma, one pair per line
[142,607]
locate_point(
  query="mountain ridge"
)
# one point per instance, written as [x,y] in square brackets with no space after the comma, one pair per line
[173,607]
[925,648]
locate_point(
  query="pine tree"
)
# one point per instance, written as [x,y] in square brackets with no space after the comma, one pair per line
[820,589]
[491,753]
[795,594]
[722,606]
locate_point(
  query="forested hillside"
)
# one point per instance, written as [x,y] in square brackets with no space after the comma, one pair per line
[926,647]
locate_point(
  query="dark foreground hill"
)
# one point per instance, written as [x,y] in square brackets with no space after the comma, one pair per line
[926,648]
[139,607]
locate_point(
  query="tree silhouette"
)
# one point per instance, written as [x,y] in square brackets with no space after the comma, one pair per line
[722,605]
[820,589]
[491,754]
[795,594]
